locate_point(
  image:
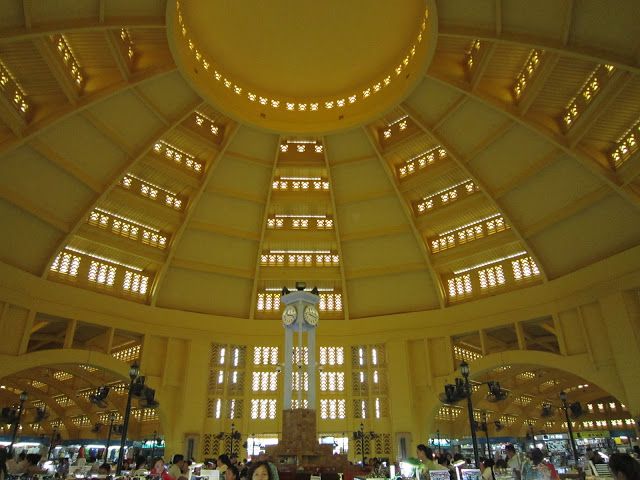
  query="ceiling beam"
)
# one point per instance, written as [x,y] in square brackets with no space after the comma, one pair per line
[464,164]
[410,220]
[590,164]
[85,102]
[591,53]
[26,13]
[8,113]
[230,133]
[113,182]
[257,269]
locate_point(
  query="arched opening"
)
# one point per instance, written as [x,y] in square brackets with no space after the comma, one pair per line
[531,412]
[61,406]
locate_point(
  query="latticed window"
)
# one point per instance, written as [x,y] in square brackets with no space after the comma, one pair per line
[265,355]
[235,382]
[264,382]
[263,408]
[332,381]
[295,404]
[66,264]
[268,301]
[524,268]
[460,286]
[300,357]
[234,408]
[448,413]
[128,354]
[332,408]
[461,353]
[300,381]
[145,414]
[360,408]
[102,273]
[491,277]
[331,356]
[135,283]
[330,302]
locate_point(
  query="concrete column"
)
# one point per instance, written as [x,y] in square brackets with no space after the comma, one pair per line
[288,358]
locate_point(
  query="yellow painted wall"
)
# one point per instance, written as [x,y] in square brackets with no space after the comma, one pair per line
[596,312]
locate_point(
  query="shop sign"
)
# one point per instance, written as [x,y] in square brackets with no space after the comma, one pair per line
[594,434]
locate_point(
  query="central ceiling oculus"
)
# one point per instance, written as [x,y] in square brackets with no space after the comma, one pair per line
[301,66]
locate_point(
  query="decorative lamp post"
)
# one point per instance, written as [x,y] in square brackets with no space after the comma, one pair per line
[112,418]
[464,369]
[362,442]
[134,371]
[439,447]
[485,427]
[23,398]
[51,440]
[565,407]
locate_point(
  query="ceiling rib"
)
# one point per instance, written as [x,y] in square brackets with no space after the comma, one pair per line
[435,278]
[464,165]
[263,231]
[190,210]
[336,229]
[112,184]
[606,175]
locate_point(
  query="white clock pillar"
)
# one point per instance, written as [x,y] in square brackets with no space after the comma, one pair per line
[300,316]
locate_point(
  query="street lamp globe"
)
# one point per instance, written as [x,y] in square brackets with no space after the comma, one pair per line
[563,396]
[134,371]
[24,396]
[464,369]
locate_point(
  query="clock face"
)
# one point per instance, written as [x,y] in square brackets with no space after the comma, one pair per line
[311,315]
[289,315]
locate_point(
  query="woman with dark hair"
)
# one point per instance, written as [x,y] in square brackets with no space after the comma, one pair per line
[537,469]
[158,470]
[624,467]
[486,467]
[260,471]
[223,463]
[232,473]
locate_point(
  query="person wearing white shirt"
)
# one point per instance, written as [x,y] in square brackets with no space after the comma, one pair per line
[514,464]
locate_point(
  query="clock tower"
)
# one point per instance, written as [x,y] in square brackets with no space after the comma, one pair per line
[300,318]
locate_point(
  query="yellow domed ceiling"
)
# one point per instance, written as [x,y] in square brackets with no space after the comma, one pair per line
[501,158]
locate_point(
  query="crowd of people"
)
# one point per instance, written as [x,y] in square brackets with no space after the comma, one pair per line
[517,465]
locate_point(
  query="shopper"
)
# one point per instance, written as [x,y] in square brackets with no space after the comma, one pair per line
[260,471]
[158,470]
[514,462]
[232,473]
[624,466]
[536,468]
[177,469]
[486,467]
